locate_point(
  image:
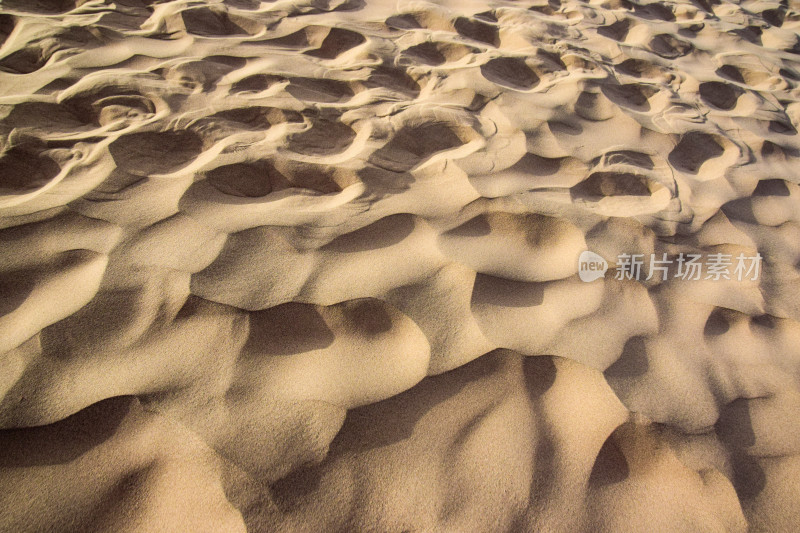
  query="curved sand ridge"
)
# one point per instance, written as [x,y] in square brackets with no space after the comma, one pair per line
[312,266]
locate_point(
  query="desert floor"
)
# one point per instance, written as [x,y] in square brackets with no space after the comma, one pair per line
[318,266]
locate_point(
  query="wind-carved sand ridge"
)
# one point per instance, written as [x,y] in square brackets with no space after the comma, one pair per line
[313,266]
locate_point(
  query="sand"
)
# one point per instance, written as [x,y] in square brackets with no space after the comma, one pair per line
[305,266]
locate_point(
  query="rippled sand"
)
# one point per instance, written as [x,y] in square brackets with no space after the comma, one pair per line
[313,266]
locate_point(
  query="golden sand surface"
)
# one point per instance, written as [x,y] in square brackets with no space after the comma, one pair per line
[313,266]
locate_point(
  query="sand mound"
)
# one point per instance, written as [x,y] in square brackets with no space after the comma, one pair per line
[318,266]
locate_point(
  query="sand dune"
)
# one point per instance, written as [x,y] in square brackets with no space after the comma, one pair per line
[313,265]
